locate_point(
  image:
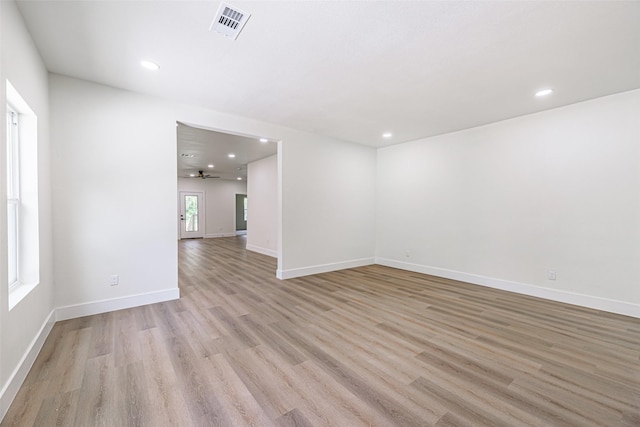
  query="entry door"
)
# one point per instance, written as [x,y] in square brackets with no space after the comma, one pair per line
[191,215]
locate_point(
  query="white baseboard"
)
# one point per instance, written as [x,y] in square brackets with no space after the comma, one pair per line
[97,307]
[216,235]
[323,268]
[597,303]
[263,251]
[17,377]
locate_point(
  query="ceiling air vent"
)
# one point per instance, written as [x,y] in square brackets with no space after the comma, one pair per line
[229,21]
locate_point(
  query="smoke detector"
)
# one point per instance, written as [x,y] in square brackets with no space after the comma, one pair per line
[229,21]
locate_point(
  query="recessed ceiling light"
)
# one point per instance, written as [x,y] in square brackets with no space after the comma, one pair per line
[192,174]
[264,140]
[544,92]
[210,166]
[239,178]
[149,65]
[231,155]
[387,135]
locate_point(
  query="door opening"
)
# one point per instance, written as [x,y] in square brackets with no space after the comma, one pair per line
[241,213]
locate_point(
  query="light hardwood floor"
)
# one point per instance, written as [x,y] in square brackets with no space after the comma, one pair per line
[371,346]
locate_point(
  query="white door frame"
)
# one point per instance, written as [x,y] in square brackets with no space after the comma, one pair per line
[183,233]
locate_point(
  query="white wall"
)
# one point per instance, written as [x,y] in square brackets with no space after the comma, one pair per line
[220,203]
[262,204]
[24,327]
[328,206]
[115,194]
[502,204]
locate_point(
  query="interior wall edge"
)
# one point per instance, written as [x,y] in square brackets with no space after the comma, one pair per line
[588,301]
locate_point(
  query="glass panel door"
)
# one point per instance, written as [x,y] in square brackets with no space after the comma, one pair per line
[191,215]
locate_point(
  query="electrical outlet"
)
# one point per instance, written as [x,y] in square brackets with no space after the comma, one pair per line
[551,275]
[115,279]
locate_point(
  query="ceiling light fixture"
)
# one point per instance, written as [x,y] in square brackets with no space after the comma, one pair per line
[239,178]
[210,166]
[263,140]
[231,155]
[387,135]
[544,92]
[149,65]
[192,174]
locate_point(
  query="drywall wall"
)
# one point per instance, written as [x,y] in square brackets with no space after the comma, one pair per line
[504,204]
[115,189]
[24,327]
[328,204]
[262,206]
[220,199]
[115,195]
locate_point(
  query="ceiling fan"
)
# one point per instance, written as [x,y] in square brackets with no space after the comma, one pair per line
[202,175]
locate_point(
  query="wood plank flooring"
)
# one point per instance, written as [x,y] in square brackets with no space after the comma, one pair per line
[370,346]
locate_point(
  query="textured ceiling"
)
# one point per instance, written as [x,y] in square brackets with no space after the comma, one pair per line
[351,70]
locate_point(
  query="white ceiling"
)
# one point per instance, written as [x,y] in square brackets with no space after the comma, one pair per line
[211,147]
[351,69]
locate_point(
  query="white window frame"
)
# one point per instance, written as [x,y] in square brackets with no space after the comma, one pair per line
[22,196]
[13,196]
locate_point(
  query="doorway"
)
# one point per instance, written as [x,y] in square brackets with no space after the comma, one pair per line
[191,215]
[241,213]
[208,159]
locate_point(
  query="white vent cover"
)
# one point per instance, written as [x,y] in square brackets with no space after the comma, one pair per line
[229,21]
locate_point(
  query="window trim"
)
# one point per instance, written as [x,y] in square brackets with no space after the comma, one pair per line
[13,196]
[28,242]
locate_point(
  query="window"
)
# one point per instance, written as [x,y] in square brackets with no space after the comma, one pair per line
[23,236]
[13,194]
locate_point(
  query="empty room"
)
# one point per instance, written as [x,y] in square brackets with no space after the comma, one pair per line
[314,213]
